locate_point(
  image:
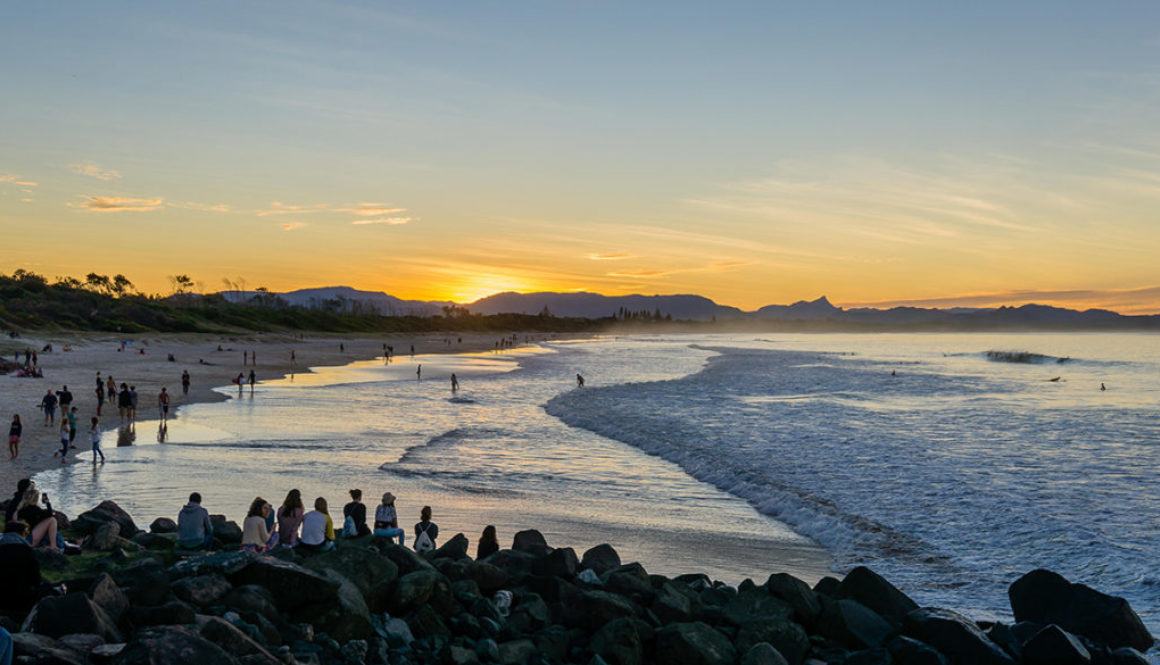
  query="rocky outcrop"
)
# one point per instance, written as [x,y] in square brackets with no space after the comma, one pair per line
[1046,597]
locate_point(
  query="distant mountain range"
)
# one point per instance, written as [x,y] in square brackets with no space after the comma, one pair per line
[818,313]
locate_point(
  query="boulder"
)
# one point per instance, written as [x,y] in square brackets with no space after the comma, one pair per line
[222,563]
[1046,597]
[172,613]
[105,593]
[107,511]
[346,617]
[155,541]
[593,609]
[173,644]
[693,643]
[756,603]
[372,573]
[788,638]
[163,525]
[600,559]
[763,653]
[225,530]
[104,654]
[560,562]
[673,606]
[909,651]
[455,548]
[55,616]
[144,583]
[1005,637]
[618,643]
[234,641]
[105,537]
[404,558]
[50,559]
[487,577]
[827,586]
[201,590]
[955,636]
[798,594]
[530,542]
[413,589]
[517,652]
[879,656]
[252,598]
[853,625]
[81,643]
[515,564]
[873,591]
[1053,646]
[1126,656]
[42,649]
[291,585]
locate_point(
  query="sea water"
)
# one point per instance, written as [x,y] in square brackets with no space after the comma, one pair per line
[946,468]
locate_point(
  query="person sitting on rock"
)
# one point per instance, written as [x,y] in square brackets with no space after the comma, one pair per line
[317,529]
[22,584]
[256,536]
[41,521]
[488,543]
[290,515]
[426,531]
[387,520]
[194,528]
[356,512]
[22,486]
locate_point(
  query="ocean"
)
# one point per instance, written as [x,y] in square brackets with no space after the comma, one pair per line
[949,463]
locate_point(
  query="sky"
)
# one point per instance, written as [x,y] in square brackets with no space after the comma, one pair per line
[883,153]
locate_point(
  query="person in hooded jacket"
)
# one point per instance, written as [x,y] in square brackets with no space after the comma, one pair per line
[194,528]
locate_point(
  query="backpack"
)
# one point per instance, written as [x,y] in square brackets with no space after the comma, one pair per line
[348,528]
[423,542]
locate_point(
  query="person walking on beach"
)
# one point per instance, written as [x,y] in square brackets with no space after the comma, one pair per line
[194,528]
[124,402]
[72,427]
[419,372]
[454,383]
[48,405]
[111,389]
[133,404]
[100,394]
[63,453]
[15,430]
[579,381]
[387,520]
[426,531]
[64,398]
[163,404]
[95,437]
[185,382]
[290,516]
[317,528]
[252,380]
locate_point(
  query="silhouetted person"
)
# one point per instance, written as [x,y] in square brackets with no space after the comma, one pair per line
[454,382]
[579,381]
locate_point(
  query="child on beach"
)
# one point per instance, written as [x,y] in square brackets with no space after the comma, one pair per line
[317,528]
[14,432]
[95,437]
[387,520]
[290,516]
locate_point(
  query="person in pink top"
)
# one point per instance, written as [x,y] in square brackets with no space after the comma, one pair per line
[290,516]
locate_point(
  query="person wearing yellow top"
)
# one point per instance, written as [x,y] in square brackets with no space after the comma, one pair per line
[317,528]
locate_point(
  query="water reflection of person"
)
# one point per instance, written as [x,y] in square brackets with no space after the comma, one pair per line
[162,432]
[126,436]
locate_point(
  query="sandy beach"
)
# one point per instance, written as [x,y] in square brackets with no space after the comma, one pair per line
[212,361]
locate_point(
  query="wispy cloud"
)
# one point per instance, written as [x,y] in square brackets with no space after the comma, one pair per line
[16,180]
[202,207]
[95,171]
[290,226]
[117,204]
[370,209]
[383,220]
[650,273]
[279,208]
[612,256]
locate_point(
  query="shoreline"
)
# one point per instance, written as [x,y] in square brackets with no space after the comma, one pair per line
[149,372]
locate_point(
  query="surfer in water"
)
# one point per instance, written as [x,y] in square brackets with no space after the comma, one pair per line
[454,383]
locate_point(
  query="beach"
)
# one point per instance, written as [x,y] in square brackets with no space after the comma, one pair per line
[212,360]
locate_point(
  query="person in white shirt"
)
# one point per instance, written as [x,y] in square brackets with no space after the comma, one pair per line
[317,528]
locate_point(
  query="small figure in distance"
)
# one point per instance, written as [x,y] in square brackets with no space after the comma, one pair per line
[185,381]
[73,417]
[579,381]
[1103,387]
[317,529]
[355,516]
[893,372]
[426,531]
[48,404]
[95,438]
[194,528]
[419,372]
[387,520]
[488,543]
[15,430]
[256,535]
[290,516]
[454,383]
[163,404]
[63,452]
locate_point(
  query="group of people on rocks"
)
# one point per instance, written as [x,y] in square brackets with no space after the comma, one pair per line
[291,525]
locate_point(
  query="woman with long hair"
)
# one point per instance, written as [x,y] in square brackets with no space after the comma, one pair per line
[290,516]
[255,536]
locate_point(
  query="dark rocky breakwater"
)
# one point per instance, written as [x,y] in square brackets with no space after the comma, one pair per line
[372,602]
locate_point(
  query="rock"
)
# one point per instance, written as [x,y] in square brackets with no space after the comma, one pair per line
[172,613]
[515,564]
[1004,636]
[1046,597]
[756,603]
[222,563]
[55,616]
[489,578]
[1053,646]
[1126,656]
[105,537]
[487,650]
[457,655]
[347,617]
[354,652]
[372,573]
[201,590]
[560,562]
[404,558]
[908,651]
[693,644]
[879,656]
[155,541]
[516,652]
[225,530]
[234,641]
[955,636]
[853,625]
[252,598]
[455,548]
[43,649]
[163,525]
[413,589]
[173,644]
[798,594]
[827,586]
[788,638]
[144,583]
[81,643]
[873,591]
[593,609]
[600,559]
[530,542]
[104,654]
[673,606]
[425,622]
[291,585]
[763,653]
[50,559]
[105,593]
[107,511]
[554,643]
[532,612]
